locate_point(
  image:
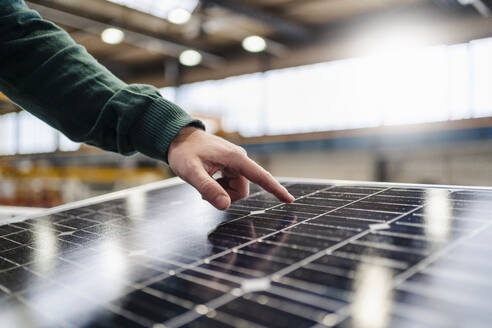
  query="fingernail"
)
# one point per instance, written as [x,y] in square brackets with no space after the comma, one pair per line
[291,198]
[221,202]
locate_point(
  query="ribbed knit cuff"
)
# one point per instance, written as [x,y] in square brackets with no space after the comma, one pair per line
[157,128]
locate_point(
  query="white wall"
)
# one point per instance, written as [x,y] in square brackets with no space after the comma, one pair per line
[464,163]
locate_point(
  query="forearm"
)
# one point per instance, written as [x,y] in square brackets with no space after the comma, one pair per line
[47,74]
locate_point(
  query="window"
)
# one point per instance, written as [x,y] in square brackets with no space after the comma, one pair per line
[435,83]
[35,136]
[8,143]
[23,133]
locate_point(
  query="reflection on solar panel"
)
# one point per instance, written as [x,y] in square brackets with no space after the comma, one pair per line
[364,255]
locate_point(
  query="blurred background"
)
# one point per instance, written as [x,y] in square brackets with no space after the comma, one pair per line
[379,90]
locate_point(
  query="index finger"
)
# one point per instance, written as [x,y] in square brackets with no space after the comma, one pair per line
[256,174]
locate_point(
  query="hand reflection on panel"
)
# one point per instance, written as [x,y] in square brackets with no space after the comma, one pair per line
[169,231]
[261,261]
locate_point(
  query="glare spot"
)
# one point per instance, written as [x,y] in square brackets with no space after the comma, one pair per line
[437,214]
[179,16]
[329,319]
[211,314]
[263,300]
[252,285]
[190,58]
[237,292]
[201,309]
[371,305]
[254,43]
[112,35]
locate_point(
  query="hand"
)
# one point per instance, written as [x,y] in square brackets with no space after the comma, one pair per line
[195,156]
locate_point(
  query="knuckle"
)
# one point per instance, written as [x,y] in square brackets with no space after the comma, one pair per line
[238,151]
[206,188]
[242,151]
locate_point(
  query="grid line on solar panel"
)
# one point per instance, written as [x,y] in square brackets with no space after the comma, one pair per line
[250,213]
[335,247]
[389,247]
[8,229]
[262,238]
[377,260]
[467,278]
[128,317]
[402,235]
[438,254]
[6,244]
[198,269]
[424,226]
[399,281]
[327,304]
[234,230]
[291,310]
[41,317]
[420,316]
[226,276]
[203,309]
[85,298]
[442,312]
[461,297]
[327,221]
[194,315]
[229,321]
[313,288]
[266,257]
[289,305]
[406,213]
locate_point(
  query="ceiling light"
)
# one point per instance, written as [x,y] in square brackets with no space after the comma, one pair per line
[254,43]
[112,35]
[179,16]
[190,58]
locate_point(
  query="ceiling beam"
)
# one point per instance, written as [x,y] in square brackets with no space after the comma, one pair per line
[483,7]
[342,41]
[165,47]
[283,26]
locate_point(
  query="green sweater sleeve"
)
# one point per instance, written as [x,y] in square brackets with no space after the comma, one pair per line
[46,73]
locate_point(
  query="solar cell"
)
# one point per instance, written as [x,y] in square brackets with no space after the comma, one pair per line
[343,254]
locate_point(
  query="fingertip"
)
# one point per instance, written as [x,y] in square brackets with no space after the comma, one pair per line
[287,196]
[222,202]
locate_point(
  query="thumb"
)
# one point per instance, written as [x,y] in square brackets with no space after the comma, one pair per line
[210,189]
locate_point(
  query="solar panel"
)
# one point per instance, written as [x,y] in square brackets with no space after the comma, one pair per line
[343,254]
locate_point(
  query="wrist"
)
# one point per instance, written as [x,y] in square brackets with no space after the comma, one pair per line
[182,135]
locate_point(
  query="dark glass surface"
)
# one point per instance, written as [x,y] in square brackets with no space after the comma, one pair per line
[348,256]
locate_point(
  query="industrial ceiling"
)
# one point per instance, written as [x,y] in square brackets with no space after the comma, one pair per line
[296,32]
